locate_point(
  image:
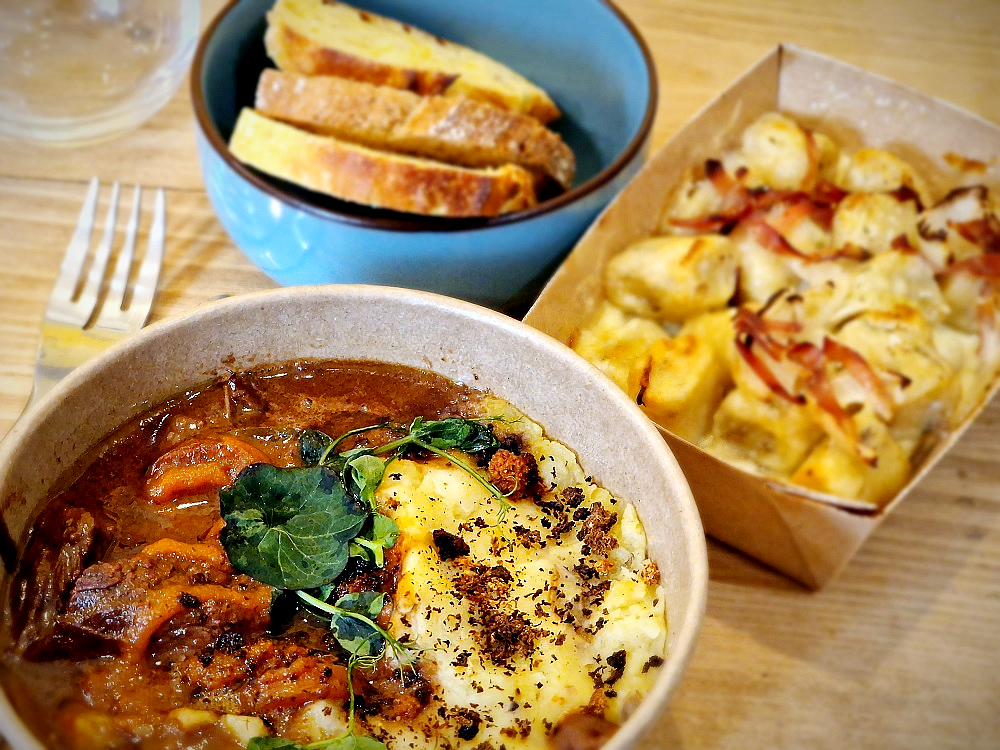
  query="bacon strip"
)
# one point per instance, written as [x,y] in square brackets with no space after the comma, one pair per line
[984,232]
[713,223]
[753,328]
[985,266]
[752,325]
[901,243]
[905,193]
[811,357]
[818,201]
[764,373]
[770,238]
[736,202]
[829,194]
[798,208]
[863,373]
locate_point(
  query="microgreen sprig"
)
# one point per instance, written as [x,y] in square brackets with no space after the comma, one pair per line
[295,529]
[435,436]
[352,622]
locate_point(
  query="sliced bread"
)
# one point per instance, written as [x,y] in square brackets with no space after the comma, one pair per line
[382,179]
[323,37]
[457,130]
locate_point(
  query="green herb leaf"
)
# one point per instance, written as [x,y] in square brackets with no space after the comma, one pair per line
[323,592]
[383,535]
[347,742]
[359,636]
[367,603]
[355,742]
[289,527]
[461,434]
[313,445]
[362,475]
[272,743]
[364,648]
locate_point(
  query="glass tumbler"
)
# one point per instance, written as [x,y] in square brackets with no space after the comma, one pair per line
[74,72]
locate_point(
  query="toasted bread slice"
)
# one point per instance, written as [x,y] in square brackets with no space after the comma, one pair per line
[323,37]
[377,178]
[453,129]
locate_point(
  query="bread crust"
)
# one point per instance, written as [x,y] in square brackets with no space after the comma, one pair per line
[323,37]
[452,129]
[382,179]
[298,53]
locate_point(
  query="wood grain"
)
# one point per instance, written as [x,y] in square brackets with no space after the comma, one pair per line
[903,649]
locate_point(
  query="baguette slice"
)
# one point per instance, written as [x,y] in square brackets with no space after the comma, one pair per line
[377,178]
[453,129]
[323,37]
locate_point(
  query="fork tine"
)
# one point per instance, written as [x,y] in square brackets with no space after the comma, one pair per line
[76,253]
[149,271]
[114,302]
[66,339]
[95,277]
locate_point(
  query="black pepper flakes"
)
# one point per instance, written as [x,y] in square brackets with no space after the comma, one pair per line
[188,600]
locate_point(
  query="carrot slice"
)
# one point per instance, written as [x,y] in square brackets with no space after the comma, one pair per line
[199,465]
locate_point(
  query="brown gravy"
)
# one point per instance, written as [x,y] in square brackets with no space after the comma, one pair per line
[83,692]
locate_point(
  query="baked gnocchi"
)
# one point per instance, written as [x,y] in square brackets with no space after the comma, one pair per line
[807,313]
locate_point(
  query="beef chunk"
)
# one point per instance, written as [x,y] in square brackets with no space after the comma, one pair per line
[244,403]
[124,603]
[57,552]
[262,677]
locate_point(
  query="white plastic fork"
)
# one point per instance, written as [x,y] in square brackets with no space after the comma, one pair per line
[84,319]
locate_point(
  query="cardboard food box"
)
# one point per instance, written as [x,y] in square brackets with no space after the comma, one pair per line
[809,537]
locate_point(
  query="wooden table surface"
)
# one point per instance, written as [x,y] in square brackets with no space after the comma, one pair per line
[903,649]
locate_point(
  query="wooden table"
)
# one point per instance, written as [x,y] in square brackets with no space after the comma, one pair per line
[903,649]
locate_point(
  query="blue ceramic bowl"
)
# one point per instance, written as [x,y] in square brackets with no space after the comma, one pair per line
[585,53]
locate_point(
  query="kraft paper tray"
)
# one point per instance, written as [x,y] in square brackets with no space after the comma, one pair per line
[809,537]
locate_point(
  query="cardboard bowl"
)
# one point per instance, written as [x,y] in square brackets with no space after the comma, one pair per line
[573,402]
[808,536]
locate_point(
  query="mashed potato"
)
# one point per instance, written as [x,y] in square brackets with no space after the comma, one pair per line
[555,611]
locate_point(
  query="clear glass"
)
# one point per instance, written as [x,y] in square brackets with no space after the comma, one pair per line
[78,71]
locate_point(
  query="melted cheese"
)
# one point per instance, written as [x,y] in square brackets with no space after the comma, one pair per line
[873,170]
[859,333]
[672,278]
[873,221]
[518,700]
[615,340]
[775,152]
